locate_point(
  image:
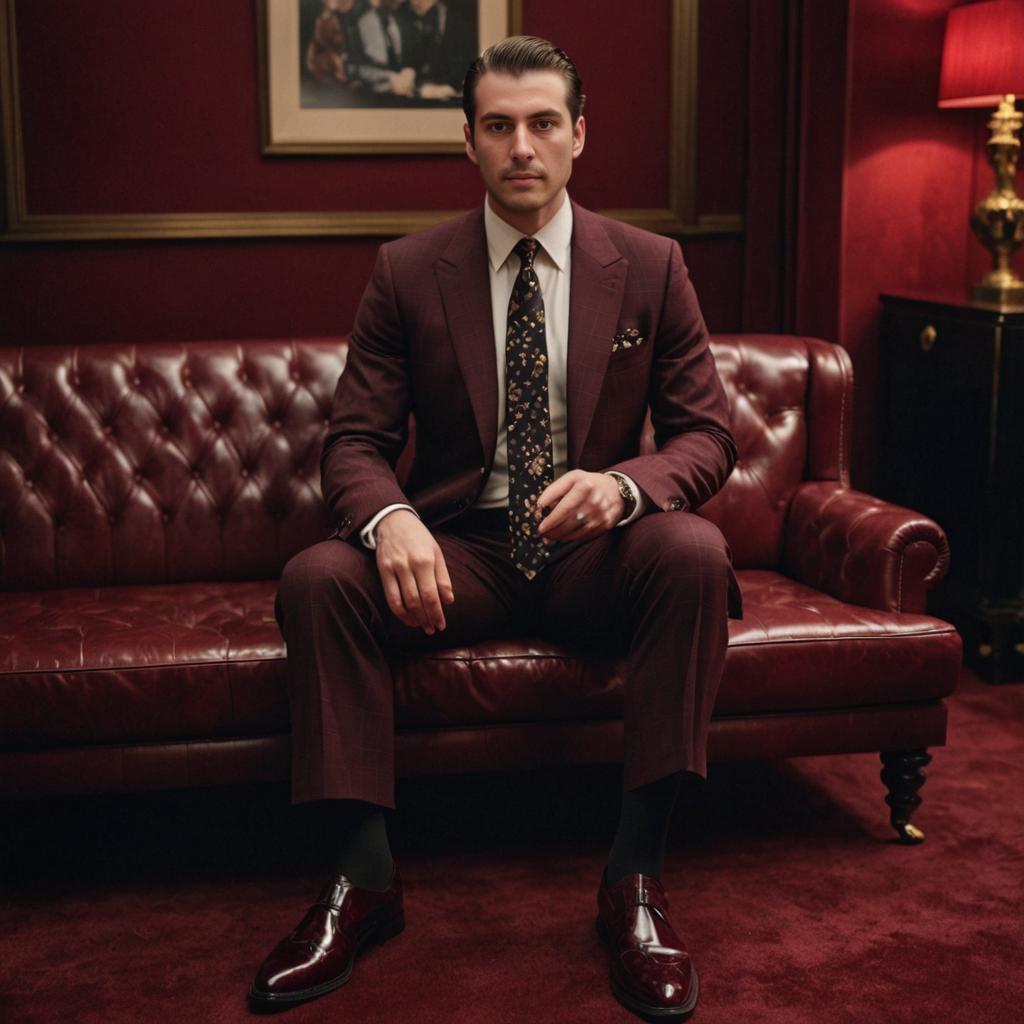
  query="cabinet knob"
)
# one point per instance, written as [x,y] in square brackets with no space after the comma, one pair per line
[928,338]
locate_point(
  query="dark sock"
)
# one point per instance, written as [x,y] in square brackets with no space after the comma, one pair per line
[364,855]
[639,843]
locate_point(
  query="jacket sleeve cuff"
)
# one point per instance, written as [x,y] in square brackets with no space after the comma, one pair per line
[368,533]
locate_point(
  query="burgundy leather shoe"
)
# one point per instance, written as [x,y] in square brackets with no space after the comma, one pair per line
[319,954]
[651,971]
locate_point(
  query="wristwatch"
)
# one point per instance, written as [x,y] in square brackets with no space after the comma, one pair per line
[628,497]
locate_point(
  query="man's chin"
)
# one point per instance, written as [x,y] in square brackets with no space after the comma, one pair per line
[522,200]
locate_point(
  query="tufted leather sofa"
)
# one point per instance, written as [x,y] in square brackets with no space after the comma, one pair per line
[149,496]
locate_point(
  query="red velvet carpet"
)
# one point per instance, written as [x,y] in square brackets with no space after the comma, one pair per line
[795,904]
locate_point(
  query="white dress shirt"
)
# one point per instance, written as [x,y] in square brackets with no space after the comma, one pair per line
[552,265]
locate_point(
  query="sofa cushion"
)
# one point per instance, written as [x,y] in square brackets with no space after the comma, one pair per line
[110,664]
[178,661]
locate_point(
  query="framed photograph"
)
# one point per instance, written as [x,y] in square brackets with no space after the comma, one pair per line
[371,76]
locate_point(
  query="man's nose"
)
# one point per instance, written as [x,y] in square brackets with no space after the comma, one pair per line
[522,144]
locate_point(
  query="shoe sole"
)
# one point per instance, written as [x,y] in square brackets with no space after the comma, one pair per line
[376,935]
[630,1002]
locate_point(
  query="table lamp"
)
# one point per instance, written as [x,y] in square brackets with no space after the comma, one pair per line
[983,66]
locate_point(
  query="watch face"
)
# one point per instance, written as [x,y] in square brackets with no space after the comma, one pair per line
[627,496]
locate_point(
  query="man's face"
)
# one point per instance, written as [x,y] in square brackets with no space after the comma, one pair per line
[524,143]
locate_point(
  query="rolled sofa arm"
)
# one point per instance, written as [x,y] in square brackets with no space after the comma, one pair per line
[863,550]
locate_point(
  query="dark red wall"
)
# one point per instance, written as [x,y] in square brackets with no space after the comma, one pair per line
[154,108]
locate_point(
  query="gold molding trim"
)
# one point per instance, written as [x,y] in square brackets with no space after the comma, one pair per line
[679,218]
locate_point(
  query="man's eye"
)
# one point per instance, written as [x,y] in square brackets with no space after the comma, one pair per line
[497,126]
[545,125]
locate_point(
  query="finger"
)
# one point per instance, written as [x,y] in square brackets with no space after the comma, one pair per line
[430,600]
[563,517]
[554,492]
[569,528]
[411,597]
[589,519]
[444,581]
[393,596]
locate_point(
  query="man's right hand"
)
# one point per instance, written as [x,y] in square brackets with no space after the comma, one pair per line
[412,570]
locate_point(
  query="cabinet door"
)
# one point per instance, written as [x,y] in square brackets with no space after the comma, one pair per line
[1007,525]
[938,428]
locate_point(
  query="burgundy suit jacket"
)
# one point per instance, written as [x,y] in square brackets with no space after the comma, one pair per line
[423,342]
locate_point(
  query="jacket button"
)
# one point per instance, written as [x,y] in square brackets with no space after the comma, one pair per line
[675,504]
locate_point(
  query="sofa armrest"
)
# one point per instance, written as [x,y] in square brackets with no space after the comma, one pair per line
[863,550]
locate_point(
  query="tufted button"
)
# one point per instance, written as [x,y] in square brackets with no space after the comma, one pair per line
[243,375]
[195,473]
[108,429]
[136,381]
[166,515]
[30,484]
[244,472]
[276,424]
[112,519]
[218,426]
[137,476]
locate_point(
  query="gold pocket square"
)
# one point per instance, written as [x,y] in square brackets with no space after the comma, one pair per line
[627,339]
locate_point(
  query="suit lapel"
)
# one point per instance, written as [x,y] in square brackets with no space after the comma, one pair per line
[596,289]
[465,283]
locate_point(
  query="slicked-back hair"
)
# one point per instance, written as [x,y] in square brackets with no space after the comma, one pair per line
[517,55]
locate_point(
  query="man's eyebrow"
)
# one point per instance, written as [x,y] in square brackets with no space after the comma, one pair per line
[495,115]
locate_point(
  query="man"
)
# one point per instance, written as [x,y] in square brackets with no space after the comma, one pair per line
[378,59]
[530,337]
[440,43]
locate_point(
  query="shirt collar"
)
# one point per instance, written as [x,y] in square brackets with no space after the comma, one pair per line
[555,237]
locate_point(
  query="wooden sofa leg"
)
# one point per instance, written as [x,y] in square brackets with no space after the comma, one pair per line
[903,774]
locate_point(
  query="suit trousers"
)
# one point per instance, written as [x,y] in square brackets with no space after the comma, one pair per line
[655,590]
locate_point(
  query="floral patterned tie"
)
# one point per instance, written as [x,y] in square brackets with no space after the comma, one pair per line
[530,457]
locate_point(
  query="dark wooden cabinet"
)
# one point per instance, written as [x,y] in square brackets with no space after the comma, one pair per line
[952,390]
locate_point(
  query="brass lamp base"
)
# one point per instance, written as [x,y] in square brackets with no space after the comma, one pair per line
[1004,293]
[998,221]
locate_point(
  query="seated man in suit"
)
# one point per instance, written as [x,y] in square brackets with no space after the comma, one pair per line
[530,336]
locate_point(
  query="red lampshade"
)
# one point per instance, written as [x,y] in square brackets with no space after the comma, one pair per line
[983,56]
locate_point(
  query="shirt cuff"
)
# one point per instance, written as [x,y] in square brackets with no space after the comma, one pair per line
[640,504]
[367,534]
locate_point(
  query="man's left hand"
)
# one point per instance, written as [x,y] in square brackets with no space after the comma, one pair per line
[583,505]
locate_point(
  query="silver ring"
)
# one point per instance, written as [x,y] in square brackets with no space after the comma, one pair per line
[580,517]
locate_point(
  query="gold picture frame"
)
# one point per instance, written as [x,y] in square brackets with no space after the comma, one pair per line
[22,225]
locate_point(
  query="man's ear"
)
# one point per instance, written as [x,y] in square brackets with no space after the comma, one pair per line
[579,136]
[470,151]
